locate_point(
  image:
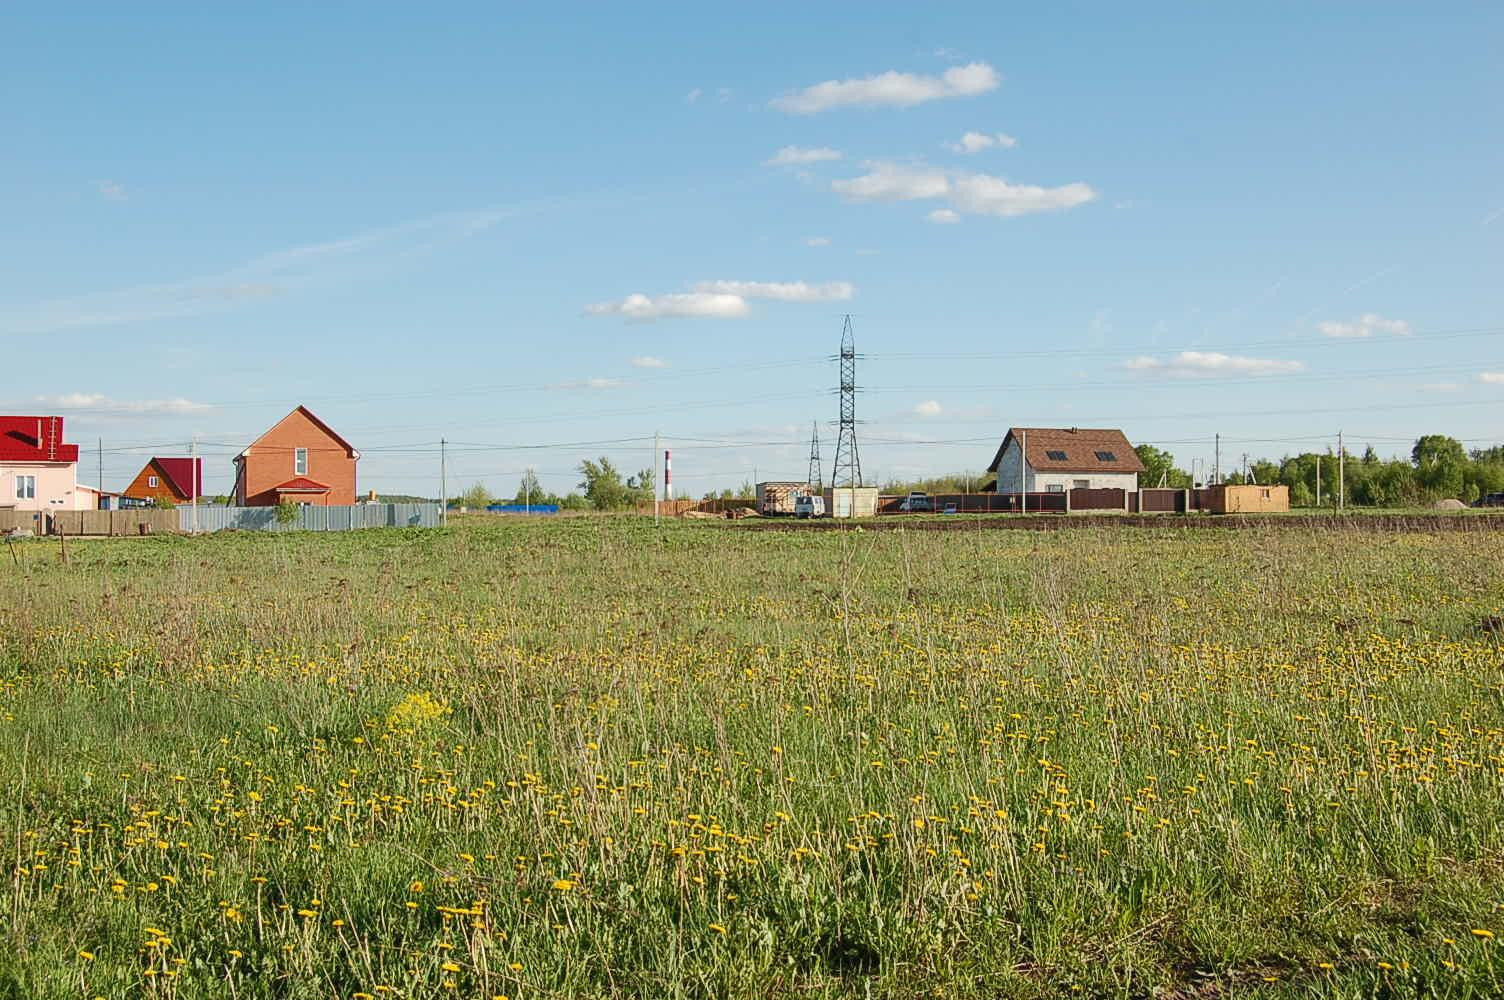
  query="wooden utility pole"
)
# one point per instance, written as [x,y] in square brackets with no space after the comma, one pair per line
[443,485]
[1318,482]
[1341,474]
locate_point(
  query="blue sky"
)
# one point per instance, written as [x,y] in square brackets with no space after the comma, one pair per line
[548,236]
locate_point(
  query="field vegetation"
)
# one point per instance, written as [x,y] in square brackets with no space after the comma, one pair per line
[594,759]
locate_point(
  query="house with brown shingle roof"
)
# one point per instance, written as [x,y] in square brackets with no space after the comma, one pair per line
[1057,459]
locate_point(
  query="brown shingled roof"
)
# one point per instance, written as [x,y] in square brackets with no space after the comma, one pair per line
[1080,446]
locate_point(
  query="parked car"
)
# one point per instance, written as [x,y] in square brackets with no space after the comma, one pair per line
[1490,500]
[917,501]
[808,505]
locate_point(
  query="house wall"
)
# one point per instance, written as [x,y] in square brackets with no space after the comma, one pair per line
[270,462]
[56,486]
[1040,482]
[141,488]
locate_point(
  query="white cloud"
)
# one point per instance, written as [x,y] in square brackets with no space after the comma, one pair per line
[891,89]
[928,408]
[780,291]
[112,190]
[817,241]
[1492,378]
[680,305]
[1364,326]
[971,193]
[590,383]
[720,299]
[975,142]
[944,216]
[99,403]
[648,361]
[792,155]
[1209,364]
[693,96]
[276,273]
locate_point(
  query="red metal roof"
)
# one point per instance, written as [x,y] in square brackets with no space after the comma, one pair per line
[301,484]
[179,471]
[34,439]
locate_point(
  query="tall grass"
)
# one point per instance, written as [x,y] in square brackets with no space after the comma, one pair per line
[597,759]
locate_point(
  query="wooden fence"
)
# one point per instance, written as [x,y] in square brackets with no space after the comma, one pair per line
[96,523]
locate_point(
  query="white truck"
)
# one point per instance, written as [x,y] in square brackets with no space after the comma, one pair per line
[809,505]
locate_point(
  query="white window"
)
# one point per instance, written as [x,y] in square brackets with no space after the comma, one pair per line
[26,487]
[1054,488]
[151,481]
[300,462]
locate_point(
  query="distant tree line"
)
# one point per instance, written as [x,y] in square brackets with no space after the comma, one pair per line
[1439,467]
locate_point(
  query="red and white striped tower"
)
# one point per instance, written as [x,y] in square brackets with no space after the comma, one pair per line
[668,474]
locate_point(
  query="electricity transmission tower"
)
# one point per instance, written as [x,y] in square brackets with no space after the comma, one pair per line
[815,479]
[848,465]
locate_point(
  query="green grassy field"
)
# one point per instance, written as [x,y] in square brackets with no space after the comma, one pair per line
[591,758]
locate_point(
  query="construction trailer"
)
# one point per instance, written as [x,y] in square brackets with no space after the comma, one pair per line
[777,498]
[851,501]
[1249,499]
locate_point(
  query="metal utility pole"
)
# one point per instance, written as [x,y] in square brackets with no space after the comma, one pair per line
[443,484]
[1318,482]
[1023,480]
[1217,463]
[101,468]
[527,490]
[848,466]
[193,475]
[1341,473]
[657,490]
[814,476]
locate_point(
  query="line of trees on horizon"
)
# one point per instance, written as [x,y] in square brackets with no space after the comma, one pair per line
[1439,468]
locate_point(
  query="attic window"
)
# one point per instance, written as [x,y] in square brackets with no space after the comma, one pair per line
[300,462]
[1106,456]
[1056,456]
[151,481]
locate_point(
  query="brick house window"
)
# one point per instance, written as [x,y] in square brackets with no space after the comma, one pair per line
[300,462]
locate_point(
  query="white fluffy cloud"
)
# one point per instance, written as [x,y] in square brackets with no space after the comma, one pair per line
[781,291]
[817,241]
[1209,364]
[719,299]
[891,90]
[975,142]
[1364,326]
[944,216]
[648,361]
[679,305]
[928,408]
[796,155]
[1492,378]
[967,192]
[100,403]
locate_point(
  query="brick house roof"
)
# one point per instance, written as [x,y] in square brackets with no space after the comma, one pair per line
[301,484]
[34,439]
[1072,449]
[179,473]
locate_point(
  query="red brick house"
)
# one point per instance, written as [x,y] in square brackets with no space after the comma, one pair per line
[299,460]
[176,479]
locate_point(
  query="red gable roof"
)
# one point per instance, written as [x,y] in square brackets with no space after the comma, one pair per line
[34,439]
[302,484]
[179,472]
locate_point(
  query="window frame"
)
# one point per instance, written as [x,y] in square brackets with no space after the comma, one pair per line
[26,486]
[1056,455]
[300,461]
[1107,456]
[152,482]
